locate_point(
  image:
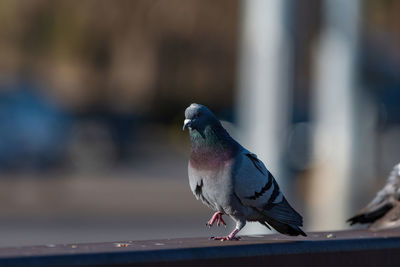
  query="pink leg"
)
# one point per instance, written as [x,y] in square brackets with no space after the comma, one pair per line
[231,236]
[216,217]
[221,221]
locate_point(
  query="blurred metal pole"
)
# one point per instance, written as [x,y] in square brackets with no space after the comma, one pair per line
[262,96]
[335,109]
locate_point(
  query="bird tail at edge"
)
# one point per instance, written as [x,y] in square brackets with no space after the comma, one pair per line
[283,228]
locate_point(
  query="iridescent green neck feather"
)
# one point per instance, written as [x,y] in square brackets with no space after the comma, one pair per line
[212,147]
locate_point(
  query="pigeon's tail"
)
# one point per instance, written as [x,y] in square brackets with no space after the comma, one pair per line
[283,218]
[283,228]
[370,216]
[357,219]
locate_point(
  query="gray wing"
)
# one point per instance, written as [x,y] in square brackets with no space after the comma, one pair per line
[384,200]
[256,188]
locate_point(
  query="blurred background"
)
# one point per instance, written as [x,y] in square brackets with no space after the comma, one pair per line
[92,95]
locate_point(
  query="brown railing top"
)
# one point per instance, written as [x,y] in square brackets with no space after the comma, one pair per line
[325,248]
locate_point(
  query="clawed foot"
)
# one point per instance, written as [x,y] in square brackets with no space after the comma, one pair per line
[231,236]
[225,238]
[216,217]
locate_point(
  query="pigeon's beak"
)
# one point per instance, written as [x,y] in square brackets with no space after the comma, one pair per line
[187,124]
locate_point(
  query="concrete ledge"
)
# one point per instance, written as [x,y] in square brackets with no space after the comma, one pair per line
[343,248]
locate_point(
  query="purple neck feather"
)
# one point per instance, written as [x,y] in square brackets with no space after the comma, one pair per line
[211,149]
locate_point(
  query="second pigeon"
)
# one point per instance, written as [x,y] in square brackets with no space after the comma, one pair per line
[384,210]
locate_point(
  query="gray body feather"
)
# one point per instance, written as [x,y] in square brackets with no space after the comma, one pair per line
[244,189]
[241,187]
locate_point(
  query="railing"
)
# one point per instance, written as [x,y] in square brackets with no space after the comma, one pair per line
[344,248]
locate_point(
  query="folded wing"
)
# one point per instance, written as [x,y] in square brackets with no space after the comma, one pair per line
[256,188]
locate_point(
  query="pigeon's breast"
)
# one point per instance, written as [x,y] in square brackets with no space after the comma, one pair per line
[212,185]
[209,159]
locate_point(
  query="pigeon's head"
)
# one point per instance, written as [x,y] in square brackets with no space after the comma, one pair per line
[198,117]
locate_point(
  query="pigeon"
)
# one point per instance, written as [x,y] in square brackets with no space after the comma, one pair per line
[384,210]
[232,181]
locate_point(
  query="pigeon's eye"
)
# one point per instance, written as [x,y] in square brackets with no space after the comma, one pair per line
[198,115]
